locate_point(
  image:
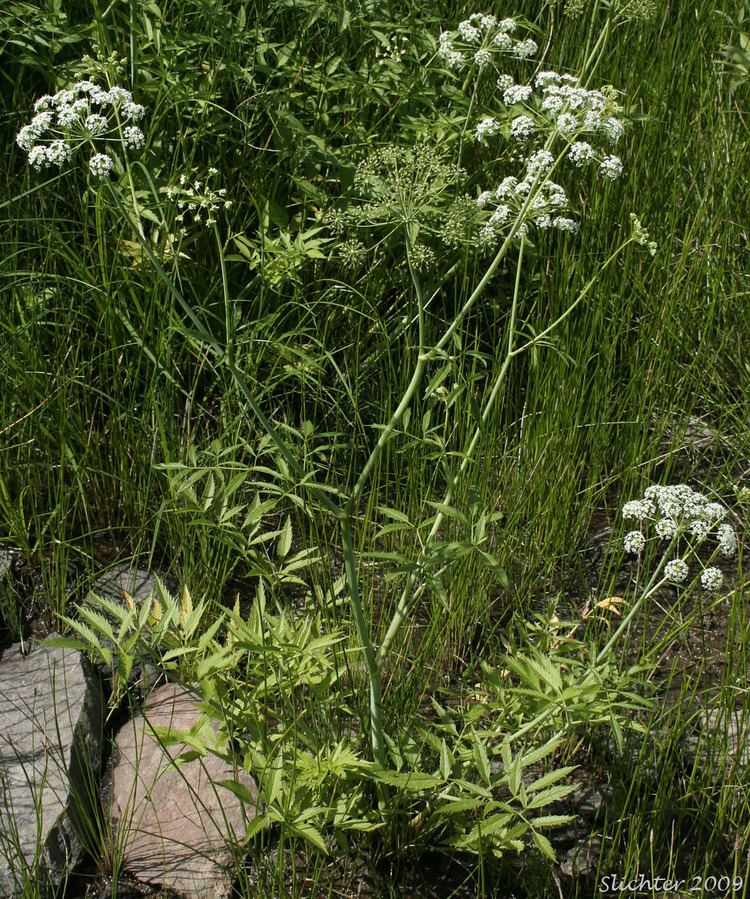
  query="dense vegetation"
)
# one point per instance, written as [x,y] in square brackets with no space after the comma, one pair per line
[277,343]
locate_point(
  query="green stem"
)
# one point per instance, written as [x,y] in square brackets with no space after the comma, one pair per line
[363,631]
[411,593]
[404,604]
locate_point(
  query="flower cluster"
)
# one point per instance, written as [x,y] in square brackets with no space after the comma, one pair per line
[198,198]
[553,119]
[544,203]
[557,107]
[479,39]
[81,115]
[397,187]
[679,512]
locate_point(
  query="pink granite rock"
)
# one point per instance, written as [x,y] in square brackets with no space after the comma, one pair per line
[174,826]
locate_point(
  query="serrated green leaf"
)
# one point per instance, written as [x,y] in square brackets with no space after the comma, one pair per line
[552,820]
[550,778]
[550,795]
[544,845]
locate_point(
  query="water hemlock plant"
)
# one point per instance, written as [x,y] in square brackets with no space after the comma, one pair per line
[389,358]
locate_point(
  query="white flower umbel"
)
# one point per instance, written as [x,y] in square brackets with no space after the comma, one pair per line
[685,518]
[487,127]
[676,571]
[100,165]
[134,138]
[712,579]
[634,543]
[727,539]
[517,93]
[84,115]
[479,40]
[611,167]
[199,198]
[522,127]
[581,153]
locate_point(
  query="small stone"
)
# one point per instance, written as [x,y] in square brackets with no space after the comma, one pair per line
[122,578]
[50,742]
[174,826]
[583,859]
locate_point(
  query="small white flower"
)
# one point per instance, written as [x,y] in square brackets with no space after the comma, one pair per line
[543,221]
[41,122]
[506,187]
[95,124]
[455,59]
[634,543]
[58,152]
[500,216]
[700,529]
[134,137]
[487,127]
[26,138]
[132,112]
[65,97]
[38,158]
[567,124]
[592,120]
[565,224]
[556,196]
[676,571]
[507,26]
[637,509]
[482,58]
[66,116]
[517,93]
[525,49]
[101,165]
[504,82]
[540,163]
[712,579]
[727,539]
[484,198]
[487,236]
[469,32]
[581,153]
[502,41]
[485,22]
[666,528]
[118,95]
[611,167]
[613,128]
[543,79]
[552,104]
[522,127]
[713,511]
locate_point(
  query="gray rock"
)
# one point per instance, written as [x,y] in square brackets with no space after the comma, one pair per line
[6,561]
[721,742]
[50,741]
[123,578]
[583,859]
[174,826]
